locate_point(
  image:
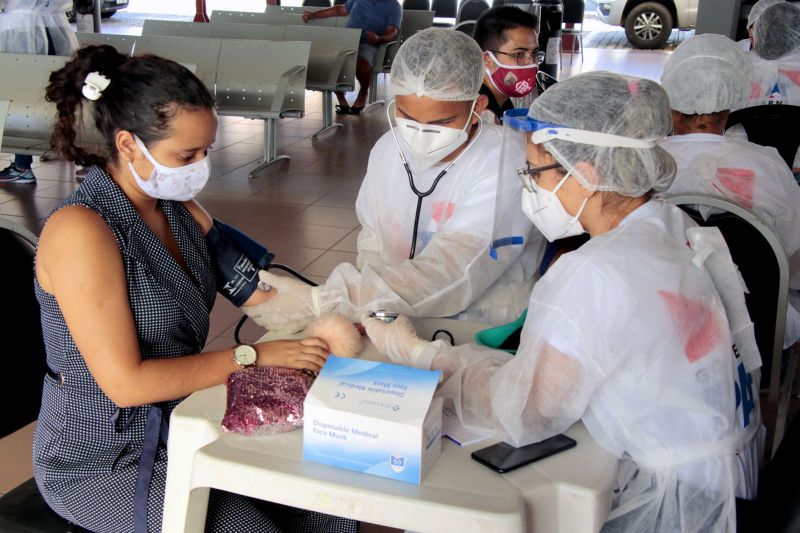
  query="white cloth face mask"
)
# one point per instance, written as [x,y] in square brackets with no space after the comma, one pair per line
[172,183]
[547,213]
[431,143]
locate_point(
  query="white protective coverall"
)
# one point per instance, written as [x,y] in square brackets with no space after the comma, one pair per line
[773,82]
[629,335]
[23,23]
[452,272]
[753,176]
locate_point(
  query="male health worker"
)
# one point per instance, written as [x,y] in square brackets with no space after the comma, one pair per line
[706,77]
[426,206]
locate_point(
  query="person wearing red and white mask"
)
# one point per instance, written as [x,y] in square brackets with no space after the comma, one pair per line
[507,35]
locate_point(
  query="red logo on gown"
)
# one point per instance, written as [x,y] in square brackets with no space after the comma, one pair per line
[793,75]
[442,211]
[738,183]
[699,325]
[755,91]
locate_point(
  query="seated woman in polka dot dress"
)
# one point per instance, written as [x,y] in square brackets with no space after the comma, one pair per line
[127,271]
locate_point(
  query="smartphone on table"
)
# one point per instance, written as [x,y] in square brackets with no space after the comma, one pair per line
[503,457]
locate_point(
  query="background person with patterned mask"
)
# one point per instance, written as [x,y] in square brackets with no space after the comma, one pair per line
[425,207]
[507,36]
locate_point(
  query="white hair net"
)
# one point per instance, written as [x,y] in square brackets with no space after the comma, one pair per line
[758,8]
[706,74]
[610,103]
[440,64]
[776,33]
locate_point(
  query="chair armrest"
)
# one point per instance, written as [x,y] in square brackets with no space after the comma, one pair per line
[338,66]
[391,51]
[283,83]
[378,66]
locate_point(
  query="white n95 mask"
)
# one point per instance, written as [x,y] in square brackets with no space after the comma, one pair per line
[172,183]
[547,213]
[431,143]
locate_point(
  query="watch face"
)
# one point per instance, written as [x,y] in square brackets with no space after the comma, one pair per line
[245,355]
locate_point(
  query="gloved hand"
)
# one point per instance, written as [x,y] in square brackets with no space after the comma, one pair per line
[398,341]
[290,309]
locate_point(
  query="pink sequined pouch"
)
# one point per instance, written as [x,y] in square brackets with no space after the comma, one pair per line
[266,400]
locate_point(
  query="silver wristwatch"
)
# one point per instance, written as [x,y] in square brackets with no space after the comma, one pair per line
[245,355]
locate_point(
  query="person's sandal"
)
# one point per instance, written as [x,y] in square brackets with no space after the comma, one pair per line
[356,110]
[343,110]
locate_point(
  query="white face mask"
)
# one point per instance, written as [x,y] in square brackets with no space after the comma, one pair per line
[547,213]
[431,143]
[172,183]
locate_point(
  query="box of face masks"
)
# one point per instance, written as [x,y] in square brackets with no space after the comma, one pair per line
[376,418]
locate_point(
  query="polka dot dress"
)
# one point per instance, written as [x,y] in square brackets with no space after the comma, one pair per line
[86,451]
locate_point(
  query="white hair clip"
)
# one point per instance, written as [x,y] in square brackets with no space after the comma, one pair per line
[94,85]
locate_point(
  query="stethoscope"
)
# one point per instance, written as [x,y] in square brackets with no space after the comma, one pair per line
[423,194]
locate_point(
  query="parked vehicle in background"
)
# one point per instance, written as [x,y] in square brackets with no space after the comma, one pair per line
[648,23]
[107,9]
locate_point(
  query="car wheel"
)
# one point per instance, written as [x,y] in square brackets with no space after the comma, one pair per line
[648,25]
[108,14]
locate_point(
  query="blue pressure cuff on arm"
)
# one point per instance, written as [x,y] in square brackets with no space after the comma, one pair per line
[237,259]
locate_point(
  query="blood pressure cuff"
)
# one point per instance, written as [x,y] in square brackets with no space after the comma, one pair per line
[237,259]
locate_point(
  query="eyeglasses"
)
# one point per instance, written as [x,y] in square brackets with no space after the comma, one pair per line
[530,174]
[523,58]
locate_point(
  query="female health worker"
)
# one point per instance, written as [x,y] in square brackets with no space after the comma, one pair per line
[426,206]
[629,333]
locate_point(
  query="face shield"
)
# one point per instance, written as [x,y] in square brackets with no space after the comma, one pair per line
[511,226]
[516,177]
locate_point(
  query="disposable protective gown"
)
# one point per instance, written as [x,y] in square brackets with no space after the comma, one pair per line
[753,176]
[629,335]
[23,23]
[452,273]
[774,82]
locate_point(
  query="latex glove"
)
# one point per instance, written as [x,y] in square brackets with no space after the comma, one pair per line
[399,341]
[293,306]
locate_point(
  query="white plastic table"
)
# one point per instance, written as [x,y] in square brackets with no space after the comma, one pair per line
[568,492]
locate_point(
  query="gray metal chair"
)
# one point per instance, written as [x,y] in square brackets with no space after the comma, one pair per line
[203,52]
[173,28]
[467,27]
[762,261]
[29,120]
[771,125]
[573,14]
[274,90]
[123,43]
[4,105]
[471,10]
[292,9]
[214,30]
[331,64]
[332,61]
[416,5]
[23,510]
[241,16]
[445,8]
[413,21]
[275,18]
